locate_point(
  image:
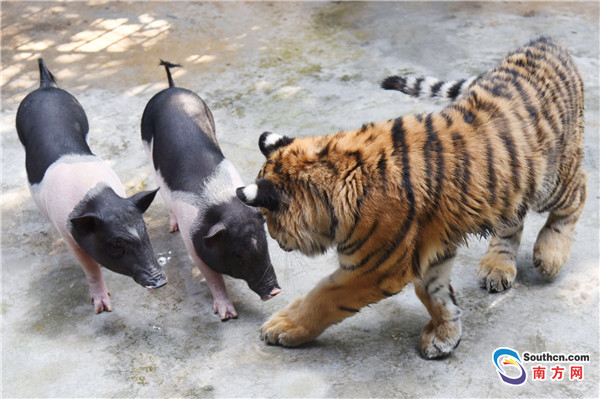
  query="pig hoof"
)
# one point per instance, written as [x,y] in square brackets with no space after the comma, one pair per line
[101,303]
[173,226]
[225,310]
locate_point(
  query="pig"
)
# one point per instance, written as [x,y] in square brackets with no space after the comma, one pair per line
[81,195]
[198,185]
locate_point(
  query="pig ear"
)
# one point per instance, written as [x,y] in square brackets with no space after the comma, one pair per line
[142,200]
[215,233]
[85,224]
[269,142]
[262,194]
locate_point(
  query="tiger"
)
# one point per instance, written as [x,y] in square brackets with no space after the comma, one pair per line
[397,198]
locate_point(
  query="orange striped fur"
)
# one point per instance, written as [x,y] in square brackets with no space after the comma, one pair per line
[397,197]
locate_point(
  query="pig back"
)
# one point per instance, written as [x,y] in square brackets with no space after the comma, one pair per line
[179,129]
[50,123]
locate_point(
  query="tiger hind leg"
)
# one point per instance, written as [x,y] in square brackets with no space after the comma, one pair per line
[498,268]
[442,334]
[553,244]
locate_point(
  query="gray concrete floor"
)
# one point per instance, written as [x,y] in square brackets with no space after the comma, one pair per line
[295,69]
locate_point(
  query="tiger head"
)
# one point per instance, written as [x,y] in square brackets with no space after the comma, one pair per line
[294,190]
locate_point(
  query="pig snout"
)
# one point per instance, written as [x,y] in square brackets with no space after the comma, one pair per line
[274,291]
[266,287]
[151,280]
[156,283]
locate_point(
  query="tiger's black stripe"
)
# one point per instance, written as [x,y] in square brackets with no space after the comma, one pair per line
[332,217]
[400,150]
[454,91]
[504,133]
[496,88]
[523,76]
[347,309]
[427,157]
[325,151]
[518,83]
[556,127]
[463,165]
[467,115]
[492,182]
[417,87]
[398,135]
[400,147]
[435,88]
[525,99]
[363,261]
[416,263]
[564,195]
[433,149]
[447,118]
[357,216]
[397,268]
[382,169]
[351,248]
[358,163]
[565,86]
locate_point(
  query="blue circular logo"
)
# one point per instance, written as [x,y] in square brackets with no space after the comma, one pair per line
[510,358]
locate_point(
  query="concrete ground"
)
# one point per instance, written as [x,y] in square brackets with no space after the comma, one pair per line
[296,69]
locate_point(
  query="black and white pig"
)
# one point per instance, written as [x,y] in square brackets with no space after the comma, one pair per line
[221,233]
[81,195]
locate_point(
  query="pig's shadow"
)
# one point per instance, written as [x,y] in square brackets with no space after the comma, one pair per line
[62,299]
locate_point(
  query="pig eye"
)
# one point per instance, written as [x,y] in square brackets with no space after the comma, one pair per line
[116,248]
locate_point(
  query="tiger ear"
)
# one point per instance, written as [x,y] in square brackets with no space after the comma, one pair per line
[262,194]
[269,142]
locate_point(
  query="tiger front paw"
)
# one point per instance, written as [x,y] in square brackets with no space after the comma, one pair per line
[282,329]
[441,340]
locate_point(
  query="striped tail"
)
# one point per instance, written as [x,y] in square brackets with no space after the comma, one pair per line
[46,77]
[168,67]
[428,87]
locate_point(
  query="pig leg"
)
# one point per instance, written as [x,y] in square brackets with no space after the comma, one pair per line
[173,227]
[222,304]
[98,291]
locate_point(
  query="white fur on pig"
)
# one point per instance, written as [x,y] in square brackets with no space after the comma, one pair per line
[65,184]
[188,208]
